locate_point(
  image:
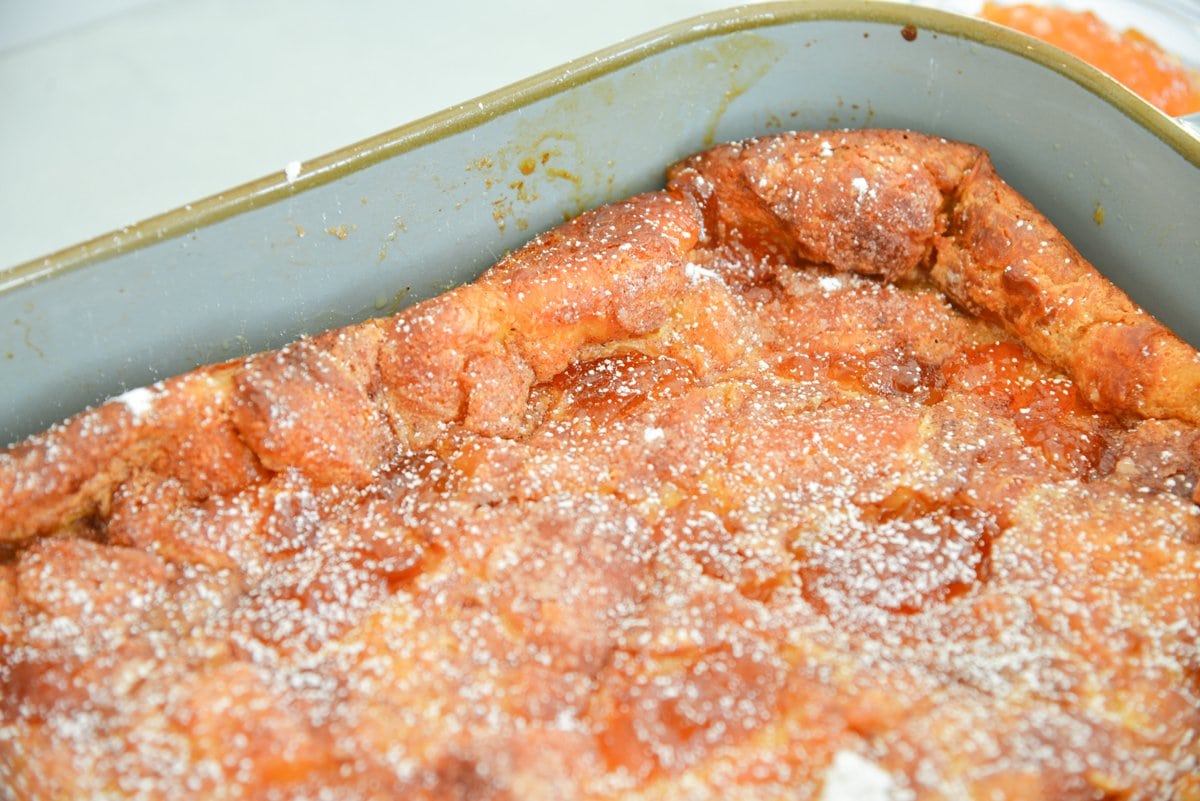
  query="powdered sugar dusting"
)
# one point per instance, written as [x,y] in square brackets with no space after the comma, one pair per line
[139,401]
[829,283]
[653,434]
[853,778]
[696,272]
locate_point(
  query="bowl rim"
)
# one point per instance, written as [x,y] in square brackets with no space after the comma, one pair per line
[472,113]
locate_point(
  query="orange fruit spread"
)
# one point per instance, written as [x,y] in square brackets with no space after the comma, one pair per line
[1130,56]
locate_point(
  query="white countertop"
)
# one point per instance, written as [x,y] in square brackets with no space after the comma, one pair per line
[112,111]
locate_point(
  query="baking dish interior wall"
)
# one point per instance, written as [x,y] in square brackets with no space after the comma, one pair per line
[488,176]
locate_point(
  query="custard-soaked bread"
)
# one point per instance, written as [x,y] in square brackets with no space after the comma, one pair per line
[829,471]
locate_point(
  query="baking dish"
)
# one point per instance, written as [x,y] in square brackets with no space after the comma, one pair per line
[404,215]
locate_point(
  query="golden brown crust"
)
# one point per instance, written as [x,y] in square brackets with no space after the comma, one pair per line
[831,459]
[336,405]
[886,203]
[871,202]
[1002,257]
[899,204]
[589,281]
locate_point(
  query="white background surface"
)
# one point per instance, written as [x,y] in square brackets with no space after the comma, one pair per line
[112,111]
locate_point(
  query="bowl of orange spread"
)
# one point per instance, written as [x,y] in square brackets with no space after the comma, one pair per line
[1148,45]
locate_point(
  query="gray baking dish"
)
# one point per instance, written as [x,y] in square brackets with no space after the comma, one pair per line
[411,212]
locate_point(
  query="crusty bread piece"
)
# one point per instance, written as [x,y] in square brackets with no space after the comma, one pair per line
[830,462]
[944,210]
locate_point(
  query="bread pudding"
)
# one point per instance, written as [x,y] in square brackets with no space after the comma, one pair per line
[831,470]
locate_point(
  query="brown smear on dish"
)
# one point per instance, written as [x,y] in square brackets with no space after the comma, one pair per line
[1131,57]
